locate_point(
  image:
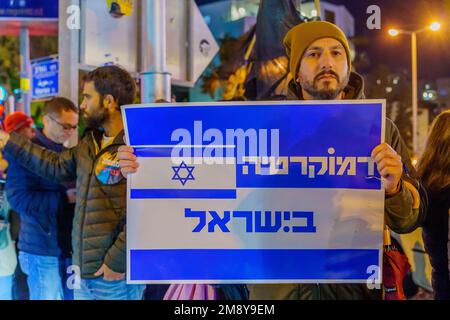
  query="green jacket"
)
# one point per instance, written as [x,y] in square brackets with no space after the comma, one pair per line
[400,216]
[98,234]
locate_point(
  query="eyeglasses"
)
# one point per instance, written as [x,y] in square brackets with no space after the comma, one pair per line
[65,126]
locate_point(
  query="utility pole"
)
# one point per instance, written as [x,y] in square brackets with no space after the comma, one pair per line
[317,4]
[68,59]
[25,69]
[68,51]
[414,91]
[435,26]
[155,80]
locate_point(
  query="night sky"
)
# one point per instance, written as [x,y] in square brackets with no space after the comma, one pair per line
[433,48]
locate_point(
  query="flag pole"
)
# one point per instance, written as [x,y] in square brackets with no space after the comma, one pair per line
[317,3]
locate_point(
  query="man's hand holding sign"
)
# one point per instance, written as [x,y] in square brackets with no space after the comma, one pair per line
[127,160]
[390,167]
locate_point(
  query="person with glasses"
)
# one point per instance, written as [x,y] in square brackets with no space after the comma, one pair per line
[60,120]
[45,207]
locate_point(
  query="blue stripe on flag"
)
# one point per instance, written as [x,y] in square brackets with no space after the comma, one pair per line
[188,152]
[153,152]
[252,264]
[183,194]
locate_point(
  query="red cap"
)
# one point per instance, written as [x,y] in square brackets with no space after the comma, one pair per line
[17,120]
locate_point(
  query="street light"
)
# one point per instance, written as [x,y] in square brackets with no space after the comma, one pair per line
[435,26]
[393,32]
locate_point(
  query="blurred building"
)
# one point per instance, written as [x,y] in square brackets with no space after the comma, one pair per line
[232,17]
[443,92]
[337,14]
[427,91]
[237,16]
[435,95]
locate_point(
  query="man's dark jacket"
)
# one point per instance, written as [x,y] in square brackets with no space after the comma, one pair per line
[45,214]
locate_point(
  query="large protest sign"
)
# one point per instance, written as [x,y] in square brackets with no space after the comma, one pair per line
[256,192]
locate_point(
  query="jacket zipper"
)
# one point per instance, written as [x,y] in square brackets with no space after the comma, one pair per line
[83,217]
[99,151]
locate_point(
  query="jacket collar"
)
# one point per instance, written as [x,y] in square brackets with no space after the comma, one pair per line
[97,135]
[46,142]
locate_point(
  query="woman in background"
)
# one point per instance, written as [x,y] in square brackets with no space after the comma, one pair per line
[434,168]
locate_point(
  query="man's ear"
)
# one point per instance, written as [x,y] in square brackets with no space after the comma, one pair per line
[109,102]
[45,120]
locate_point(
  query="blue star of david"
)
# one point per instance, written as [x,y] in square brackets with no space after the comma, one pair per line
[183,167]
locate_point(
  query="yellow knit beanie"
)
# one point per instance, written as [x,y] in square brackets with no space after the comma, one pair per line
[300,37]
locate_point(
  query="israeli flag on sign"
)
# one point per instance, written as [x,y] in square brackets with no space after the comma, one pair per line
[182,178]
[311,214]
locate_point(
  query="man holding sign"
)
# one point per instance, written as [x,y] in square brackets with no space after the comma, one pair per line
[321,70]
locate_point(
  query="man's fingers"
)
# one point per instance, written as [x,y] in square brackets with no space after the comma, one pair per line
[125,172]
[383,148]
[126,156]
[389,171]
[128,164]
[386,154]
[388,162]
[379,148]
[113,276]
[127,167]
[108,277]
[127,160]
[126,153]
[99,271]
[126,148]
[389,165]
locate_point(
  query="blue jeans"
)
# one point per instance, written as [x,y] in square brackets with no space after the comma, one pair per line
[100,289]
[6,283]
[63,265]
[46,276]
[20,286]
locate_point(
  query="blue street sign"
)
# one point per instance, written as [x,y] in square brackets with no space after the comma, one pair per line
[45,78]
[26,9]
